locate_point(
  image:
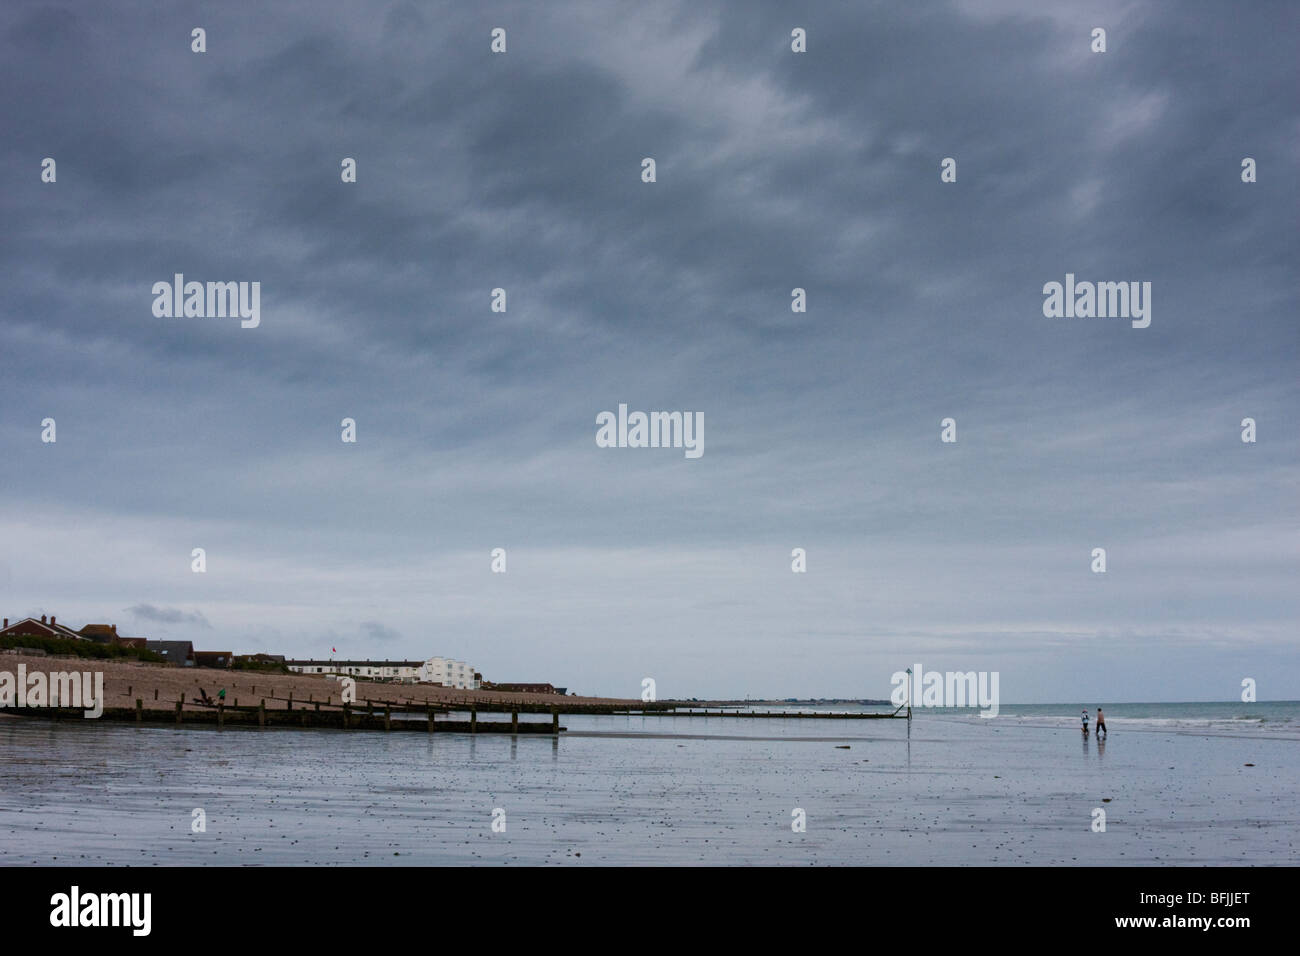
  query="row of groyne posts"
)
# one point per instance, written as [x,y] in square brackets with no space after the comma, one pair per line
[386,715]
[903,712]
[368,715]
[412,715]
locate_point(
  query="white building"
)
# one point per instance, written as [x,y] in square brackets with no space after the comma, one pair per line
[436,670]
[448,673]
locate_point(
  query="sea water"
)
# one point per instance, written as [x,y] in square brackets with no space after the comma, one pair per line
[1174,784]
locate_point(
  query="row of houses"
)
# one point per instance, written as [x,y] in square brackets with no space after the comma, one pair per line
[181,653]
[525,688]
[436,670]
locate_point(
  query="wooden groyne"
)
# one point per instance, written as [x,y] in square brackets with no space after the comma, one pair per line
[764,715]
[412,716]
[338,717]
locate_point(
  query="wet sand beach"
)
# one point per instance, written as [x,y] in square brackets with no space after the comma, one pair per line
[659,790]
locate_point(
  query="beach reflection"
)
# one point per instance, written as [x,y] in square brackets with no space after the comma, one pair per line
[673,795]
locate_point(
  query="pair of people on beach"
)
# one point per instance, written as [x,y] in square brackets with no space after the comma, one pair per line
[1101,723]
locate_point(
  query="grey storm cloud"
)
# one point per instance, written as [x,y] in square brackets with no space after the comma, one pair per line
[168,615]
[775,171]
[377,631]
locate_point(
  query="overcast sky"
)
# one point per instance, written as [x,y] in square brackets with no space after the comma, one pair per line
[775,170]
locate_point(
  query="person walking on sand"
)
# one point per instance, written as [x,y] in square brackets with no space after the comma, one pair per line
[1085,723]
[1101,722]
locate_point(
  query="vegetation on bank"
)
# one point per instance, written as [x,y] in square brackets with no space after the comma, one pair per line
[269,667]
[91,649]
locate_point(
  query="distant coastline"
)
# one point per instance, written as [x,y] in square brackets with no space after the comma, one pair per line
[790,701]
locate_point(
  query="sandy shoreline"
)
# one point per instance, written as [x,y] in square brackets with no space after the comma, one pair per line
[162,685]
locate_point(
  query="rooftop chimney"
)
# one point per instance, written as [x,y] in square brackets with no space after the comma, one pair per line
[6,622]
[51,618]
[115,630]
[42,618]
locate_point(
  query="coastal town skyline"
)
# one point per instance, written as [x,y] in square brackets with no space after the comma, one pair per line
[446,672]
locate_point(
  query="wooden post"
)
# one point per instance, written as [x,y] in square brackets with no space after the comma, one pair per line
[155,693]
[388,718]
[290,704]
[261,713]
[514,721]
[221,714]
[473,718]
[428,712]
[128,690]
[555,721]
[139,710]
[179,704]
[347,716]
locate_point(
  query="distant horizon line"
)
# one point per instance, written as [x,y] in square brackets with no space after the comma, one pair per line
[1044,703]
